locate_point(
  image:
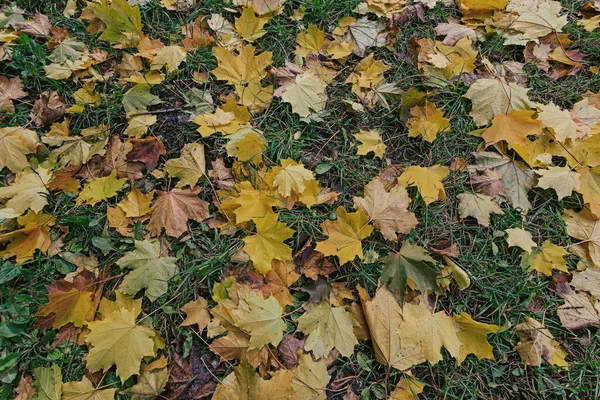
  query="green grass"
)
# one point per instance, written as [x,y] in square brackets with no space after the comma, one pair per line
[501,292]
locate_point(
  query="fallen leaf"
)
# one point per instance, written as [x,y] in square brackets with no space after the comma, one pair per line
[310,379]
[267,244]
[100,189]
[10,89]
[345,235]
[388,210]
[537,343]
[84,390]
[561,179]
[478,206]
[428,181]
[370,141]
[427,121]
[520,238]
[190,167]
[548,257]
[174,208]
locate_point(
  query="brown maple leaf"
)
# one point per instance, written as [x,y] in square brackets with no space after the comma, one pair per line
[114,159]
[147,151]
[48,108]
[172,210]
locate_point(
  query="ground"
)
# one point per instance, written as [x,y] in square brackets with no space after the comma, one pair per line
[501,292]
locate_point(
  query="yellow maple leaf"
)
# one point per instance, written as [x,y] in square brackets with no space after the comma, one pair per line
[252,203]
[327,328]
[197,313]
[370,141]
[242,68]
[345,235]
[428,331]
[28,191]
[520,238]
[35,235]
[590,187]
[512,128]
[428,181]
[249,26]
[292,177]
[310,42]
[84,390]
[15,143]
[548,257]
[169,58]
[247,144]
[123,22]
[136,204]
[263,321]
[228,119]
[310,378]
[190,167]
[119,340]
[427,122]
[387,209]
[267,244]
[69,306]
[101,189]
[561,179]
[306,94]
[473,339]
[478,206]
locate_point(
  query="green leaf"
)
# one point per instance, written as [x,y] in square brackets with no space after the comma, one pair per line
[151,270]
[139,97]
[48,382]
[410,262]
[123,22]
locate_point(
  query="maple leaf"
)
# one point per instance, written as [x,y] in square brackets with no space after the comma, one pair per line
[172,209]
[263,321]
[584,227]
[197,313]
[138,98]
[100,189]
[242,68]
[15,143]
[39,26]
[312,41]
[169,58]
[478,206]
[151,270]
[536,342]
[345,234]
[77,149]
[516,177]
[512,128]
[151,382]
[327,328]
[587,281]
[35,235]
[136,204]
[252,203]
[10,89]
[123,22]
[28,191]
[494,97]
[544,260]
[429,331]
[292,177]
[48,382]
[70,302]
[407,387]
[281,276]
[520,238]
[247,144]
[410,262]
[472,337]
[383,316]
[428,181]
[590,187]
[249,26]
[559,121]
[561,179]
[84,390]
[119,340]
[228,119]
[387,210]
[267,244]
[244,384]
[147,151]
[115,159]
[306,94]
[580,309]
[370,141]
[310,378]
[427,122]
[190,167]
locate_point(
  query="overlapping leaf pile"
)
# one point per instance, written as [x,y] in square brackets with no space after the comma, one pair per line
[277,345]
